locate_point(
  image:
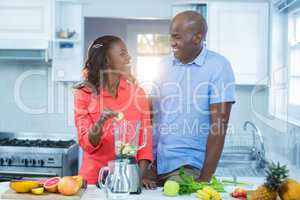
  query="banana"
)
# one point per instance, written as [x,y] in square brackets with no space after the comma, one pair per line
[208,193]
[23,186]
[202,195]
[209,190]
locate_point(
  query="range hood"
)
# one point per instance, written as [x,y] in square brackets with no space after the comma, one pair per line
[25,49]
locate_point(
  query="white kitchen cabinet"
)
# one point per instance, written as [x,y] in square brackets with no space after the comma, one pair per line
[194,5]
[240,32]
[43,25]
[68,51]
[25,19]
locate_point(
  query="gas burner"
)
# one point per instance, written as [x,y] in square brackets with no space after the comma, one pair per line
[37,143]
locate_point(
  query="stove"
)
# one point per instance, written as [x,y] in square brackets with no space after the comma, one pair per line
[37,157]
[36,143]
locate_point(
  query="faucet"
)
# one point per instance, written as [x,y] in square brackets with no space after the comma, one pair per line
[261,154]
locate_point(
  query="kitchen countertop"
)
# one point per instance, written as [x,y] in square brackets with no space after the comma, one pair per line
[93,193]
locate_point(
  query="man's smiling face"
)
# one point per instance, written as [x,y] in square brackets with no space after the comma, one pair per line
[183,40]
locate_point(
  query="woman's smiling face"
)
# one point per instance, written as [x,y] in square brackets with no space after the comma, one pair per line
[118,56]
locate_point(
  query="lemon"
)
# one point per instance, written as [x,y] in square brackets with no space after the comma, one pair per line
[171,188]
[38,191]
[23,186]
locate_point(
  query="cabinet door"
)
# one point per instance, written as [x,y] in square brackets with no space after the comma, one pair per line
[239,31]
[69,70]
[30,19]
[68,52]
[185,6]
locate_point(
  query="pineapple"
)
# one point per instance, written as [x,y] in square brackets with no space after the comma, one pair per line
[276,175]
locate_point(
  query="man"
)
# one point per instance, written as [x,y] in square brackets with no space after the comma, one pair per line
[192,101]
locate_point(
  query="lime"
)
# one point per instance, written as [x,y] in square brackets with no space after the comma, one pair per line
[171,188]
[119,116]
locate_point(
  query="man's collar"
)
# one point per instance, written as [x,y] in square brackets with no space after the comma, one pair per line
[198,61]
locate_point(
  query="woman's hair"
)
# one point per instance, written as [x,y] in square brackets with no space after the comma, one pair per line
[95,68]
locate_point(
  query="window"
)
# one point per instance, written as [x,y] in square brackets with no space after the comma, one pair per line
[151,47]
[285,70]
[294,66]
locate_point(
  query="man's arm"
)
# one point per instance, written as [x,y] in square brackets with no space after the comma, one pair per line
[220,113]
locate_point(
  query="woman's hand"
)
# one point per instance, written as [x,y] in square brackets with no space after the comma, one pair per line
[96,131]
[106,115]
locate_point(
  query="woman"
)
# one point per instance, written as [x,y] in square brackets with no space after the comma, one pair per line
[106,91]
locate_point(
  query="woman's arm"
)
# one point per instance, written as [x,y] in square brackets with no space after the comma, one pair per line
[89,134]
[144,155]
[96,131]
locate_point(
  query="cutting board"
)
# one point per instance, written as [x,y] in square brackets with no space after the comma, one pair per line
[10,194]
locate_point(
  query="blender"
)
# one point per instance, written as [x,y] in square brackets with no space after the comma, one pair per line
[115,182]
[127,143]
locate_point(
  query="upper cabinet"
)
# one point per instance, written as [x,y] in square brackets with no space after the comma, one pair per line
[240,32]
[48,29]
[68,41]
[25,21]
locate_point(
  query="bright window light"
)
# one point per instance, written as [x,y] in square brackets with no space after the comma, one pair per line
[298,29]
[294,97]
[294,76]
[151,49]
[147,68]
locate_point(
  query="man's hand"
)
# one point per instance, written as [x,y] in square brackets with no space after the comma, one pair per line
[203,179]
[149,184]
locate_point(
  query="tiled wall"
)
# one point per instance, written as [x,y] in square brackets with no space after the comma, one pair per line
[31,102]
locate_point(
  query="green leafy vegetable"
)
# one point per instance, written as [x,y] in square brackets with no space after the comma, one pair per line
[188,185]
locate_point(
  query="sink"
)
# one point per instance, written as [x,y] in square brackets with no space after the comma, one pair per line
[242,163]
[237,157]
[243,154]
[239,171]
[231,169]
[239,164]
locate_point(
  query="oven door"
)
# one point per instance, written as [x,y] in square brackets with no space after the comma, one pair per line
[9,173]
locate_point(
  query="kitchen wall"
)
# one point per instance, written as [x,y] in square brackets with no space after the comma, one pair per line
[31,102]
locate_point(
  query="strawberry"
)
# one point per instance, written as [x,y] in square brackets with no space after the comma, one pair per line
[239,193]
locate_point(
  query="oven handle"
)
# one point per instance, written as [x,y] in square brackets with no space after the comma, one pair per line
[27,173]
